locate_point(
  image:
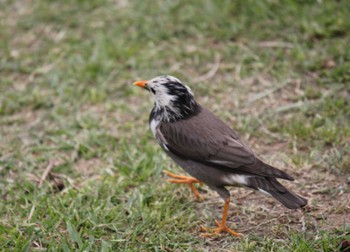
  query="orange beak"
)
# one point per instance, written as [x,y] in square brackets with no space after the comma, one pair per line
[141,84]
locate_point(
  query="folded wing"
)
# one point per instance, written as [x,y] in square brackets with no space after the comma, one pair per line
[206,139]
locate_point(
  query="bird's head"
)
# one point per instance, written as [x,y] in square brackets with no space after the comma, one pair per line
[173,100]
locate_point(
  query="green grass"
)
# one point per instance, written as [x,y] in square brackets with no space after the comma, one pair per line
[66,98]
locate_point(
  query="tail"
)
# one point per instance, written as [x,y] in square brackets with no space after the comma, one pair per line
[272,187]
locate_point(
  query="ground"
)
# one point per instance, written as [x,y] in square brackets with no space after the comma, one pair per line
[79,167]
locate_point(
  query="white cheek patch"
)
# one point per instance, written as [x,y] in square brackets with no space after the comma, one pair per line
[162,98]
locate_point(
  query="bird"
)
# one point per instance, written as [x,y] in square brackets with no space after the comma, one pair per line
[208,149]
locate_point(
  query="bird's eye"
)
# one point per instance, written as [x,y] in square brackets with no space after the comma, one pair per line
[153,91]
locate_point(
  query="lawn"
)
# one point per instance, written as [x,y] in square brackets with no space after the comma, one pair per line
[79,167]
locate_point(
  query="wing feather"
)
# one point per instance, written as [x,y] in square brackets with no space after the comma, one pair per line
[206,139]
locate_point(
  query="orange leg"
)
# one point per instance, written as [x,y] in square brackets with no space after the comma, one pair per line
[180,179]
[221,226]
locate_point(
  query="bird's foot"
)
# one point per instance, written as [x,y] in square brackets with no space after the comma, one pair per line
[181,179]
[216,231]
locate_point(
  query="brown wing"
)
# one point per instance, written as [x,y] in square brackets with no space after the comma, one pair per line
[205,138]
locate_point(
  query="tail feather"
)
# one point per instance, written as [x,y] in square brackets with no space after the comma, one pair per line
[290,200]
[272,187]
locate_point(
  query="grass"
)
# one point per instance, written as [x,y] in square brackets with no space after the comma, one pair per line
[276,71]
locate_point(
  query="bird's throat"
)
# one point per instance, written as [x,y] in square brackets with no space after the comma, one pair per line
[173,114]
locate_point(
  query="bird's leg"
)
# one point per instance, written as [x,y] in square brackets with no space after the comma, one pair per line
[180,179]
[221,226]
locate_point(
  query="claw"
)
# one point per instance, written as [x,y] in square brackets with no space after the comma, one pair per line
[221,226]
[180,179]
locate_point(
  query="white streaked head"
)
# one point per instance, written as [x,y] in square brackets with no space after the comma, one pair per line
[173,100]
[166,90]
